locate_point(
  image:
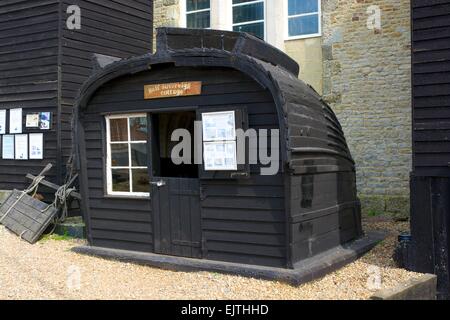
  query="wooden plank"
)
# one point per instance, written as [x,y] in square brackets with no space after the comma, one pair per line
[122,236]
[114,225]
[239,237]
[122,244]
[73,194]
[243,226]
[25,216]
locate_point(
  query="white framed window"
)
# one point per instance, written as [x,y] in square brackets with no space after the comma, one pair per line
[304,19]
[127,155]
[198,14]
[250,16]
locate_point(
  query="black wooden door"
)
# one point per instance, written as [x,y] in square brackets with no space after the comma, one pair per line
[176,212]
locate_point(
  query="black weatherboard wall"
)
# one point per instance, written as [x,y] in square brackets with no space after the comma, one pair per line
[43,64]
[240,216]
[430,179]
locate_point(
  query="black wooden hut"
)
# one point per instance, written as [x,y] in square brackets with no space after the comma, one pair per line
[135,199]
[430,179]
[45,55]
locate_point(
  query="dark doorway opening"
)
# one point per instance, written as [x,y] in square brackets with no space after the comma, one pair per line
[164,124]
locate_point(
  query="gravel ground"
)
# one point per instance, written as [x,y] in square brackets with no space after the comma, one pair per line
[48,270]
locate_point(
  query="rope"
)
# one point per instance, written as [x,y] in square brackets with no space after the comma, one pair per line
[61,196]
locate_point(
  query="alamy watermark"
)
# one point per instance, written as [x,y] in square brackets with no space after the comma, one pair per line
[250,146]
[374,19]
[73,21]
[73,281]
[374,280]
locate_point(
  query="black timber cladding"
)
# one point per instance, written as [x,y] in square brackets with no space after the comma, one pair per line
[431,87]
[43,64]
[308,207]
[118,28]
[248,218]
[29,75]
[430,179]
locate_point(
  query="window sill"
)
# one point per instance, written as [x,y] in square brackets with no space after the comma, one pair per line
[309,36]
[130,196]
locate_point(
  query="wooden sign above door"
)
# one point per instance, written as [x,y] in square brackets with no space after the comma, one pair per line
[170,90]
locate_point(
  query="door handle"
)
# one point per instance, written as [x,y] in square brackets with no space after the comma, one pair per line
[159,184]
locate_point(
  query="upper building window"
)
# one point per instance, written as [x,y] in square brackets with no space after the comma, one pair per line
[198,14]
[304,18]
[248,16]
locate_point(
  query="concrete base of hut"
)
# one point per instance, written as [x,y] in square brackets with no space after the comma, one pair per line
[305,271]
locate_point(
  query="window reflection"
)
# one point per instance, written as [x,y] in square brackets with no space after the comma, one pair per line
[119,155]
[139,154]
[118,129]
[198,14]
[120,180]
[141,180]
[138,129]
[249,16]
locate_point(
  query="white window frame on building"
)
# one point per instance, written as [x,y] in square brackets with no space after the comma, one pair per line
[130,167]
[304,36]
[264,20]
[184,13]
[276,19]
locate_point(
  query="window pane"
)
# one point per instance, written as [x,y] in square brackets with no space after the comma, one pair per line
[303,6]
[257,29]
[192,5]
[121,180]
[139,154]
[199,20]
[141,180]
[248,13]
[119,155]
[138,129]
[118,129]
[304,25]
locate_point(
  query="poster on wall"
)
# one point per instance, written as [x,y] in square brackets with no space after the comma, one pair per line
[36,146]
[219,141]
[2,121]
[21,146]
[220,156]
[15,121]
[45,120]
[32,120]
[219,126]
[8,147]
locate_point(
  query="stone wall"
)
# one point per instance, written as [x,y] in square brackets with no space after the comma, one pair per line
[166,14]
[367,81]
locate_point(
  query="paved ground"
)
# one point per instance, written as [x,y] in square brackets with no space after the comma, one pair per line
[49,270]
